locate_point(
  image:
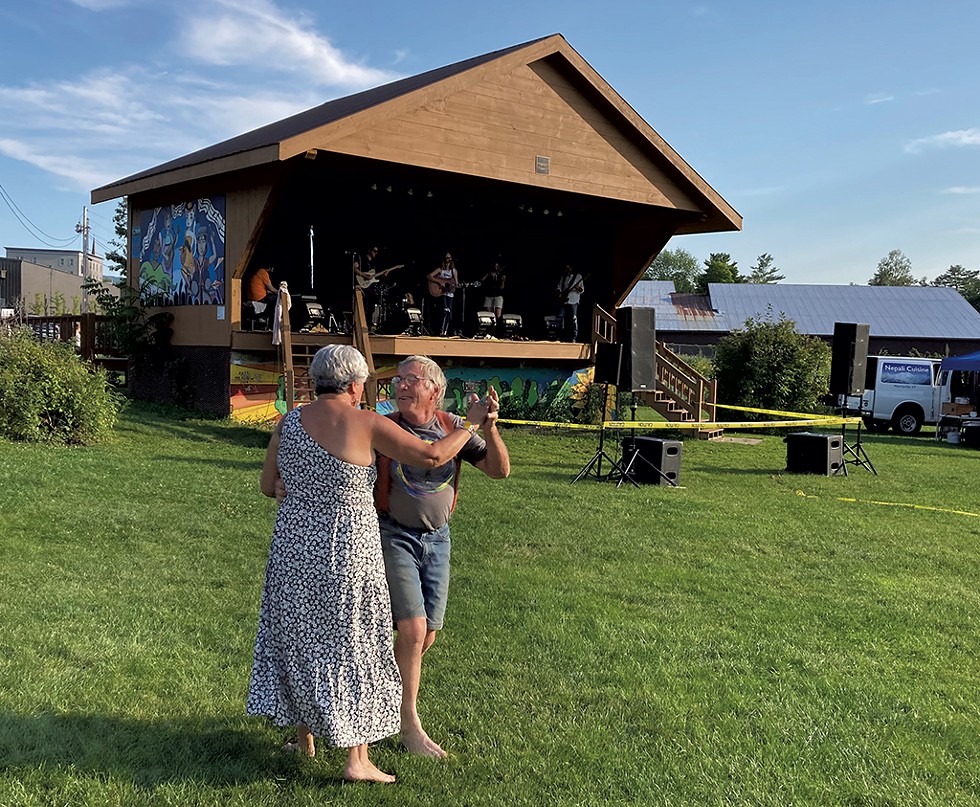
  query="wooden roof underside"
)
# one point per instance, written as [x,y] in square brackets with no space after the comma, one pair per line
[490,117]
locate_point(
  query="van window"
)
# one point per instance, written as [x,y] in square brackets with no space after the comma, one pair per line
[905,372]
[872,372]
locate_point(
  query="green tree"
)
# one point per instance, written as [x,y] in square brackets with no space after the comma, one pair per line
[59,304]
[677,265]
[965,281]
[116,257]
[718,268]
[893,270]
[764,271]
[768,364]
[39,305]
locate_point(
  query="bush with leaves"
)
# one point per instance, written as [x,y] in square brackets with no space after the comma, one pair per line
[48,394]
[768,364]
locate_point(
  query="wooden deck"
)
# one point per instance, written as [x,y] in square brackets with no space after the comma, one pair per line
[441,349]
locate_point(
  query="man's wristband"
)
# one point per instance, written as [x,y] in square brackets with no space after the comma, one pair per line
[470,426]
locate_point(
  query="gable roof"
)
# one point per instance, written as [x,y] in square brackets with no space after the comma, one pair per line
[281,131]
[924,312]
[326,126]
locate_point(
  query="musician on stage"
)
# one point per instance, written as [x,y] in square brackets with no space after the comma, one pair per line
[442,285]
[258,286]
[369,279]
[492,284]
[569,290]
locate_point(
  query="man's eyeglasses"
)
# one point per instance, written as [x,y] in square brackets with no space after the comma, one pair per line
[411,379]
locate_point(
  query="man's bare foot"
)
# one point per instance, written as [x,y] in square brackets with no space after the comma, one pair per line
[416,741]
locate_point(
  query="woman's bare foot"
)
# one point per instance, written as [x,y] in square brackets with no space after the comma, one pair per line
[361,769]
[302,742]
[416,741]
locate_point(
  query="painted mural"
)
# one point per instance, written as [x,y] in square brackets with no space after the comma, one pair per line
[258,392]
[180,251]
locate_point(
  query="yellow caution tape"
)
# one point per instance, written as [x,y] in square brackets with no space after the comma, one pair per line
[894,504]
[551,424]
[778,412]
[736,424]
[813,420]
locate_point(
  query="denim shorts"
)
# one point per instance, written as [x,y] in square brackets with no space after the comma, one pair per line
[417,568]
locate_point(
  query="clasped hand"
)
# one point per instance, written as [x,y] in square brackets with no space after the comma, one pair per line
[483,412]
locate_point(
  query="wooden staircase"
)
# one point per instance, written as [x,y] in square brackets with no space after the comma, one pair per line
[298,356]
[682,394]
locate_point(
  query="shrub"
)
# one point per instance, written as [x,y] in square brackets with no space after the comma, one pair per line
[770,365]
[48,394]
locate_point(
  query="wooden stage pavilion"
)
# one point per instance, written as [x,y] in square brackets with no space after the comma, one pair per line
[525,153]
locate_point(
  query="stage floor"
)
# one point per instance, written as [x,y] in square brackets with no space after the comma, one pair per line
[437,347]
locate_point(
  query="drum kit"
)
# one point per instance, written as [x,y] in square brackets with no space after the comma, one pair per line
[398,313]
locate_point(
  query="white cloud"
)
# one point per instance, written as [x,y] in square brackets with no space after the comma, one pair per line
[878,98]
[256,33]
[962,189]
[99,126]
[101,5]
[957,138]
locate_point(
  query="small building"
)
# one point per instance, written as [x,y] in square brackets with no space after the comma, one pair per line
[931,320]
[524,156]
[73,262]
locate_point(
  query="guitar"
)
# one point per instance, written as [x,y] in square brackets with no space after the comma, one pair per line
[373,276]
[562,294]
[439,287]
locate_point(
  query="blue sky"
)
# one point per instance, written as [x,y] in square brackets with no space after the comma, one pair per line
[839,130]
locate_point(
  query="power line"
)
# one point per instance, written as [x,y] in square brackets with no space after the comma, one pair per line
[32,228]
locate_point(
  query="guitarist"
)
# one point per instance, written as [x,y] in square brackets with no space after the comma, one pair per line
[442,286]
[569,290]
[368,279]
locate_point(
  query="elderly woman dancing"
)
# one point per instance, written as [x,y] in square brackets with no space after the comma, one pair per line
[324,661]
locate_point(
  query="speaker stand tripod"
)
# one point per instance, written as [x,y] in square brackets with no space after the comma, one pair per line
[626,473]
[858,456]
[594,466]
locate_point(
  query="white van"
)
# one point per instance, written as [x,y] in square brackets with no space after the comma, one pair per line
[902,392]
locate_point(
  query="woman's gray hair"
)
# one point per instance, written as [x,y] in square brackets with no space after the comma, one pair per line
[335,367]
[431,372]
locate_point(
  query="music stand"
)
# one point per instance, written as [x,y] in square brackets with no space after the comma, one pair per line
[627,472]
[594,465]
[857,453]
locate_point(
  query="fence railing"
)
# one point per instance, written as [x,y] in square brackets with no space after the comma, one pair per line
[89,333]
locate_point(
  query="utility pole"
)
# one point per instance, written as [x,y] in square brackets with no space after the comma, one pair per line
[83,229]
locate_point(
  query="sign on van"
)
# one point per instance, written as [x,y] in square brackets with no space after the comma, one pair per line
[893,372]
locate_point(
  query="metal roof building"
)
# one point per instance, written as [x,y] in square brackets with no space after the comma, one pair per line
[929,319]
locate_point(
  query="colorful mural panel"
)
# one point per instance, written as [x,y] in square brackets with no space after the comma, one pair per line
[180,252]
[258,393]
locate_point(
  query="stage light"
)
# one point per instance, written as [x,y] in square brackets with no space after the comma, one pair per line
[512,325]
[429,194]
[552,327]
[485,322]
[411,192]
[415,327]
[307,313]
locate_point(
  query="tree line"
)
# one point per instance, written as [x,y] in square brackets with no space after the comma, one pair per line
[691,276]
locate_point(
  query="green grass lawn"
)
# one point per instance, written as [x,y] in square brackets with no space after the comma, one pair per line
[750,638]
